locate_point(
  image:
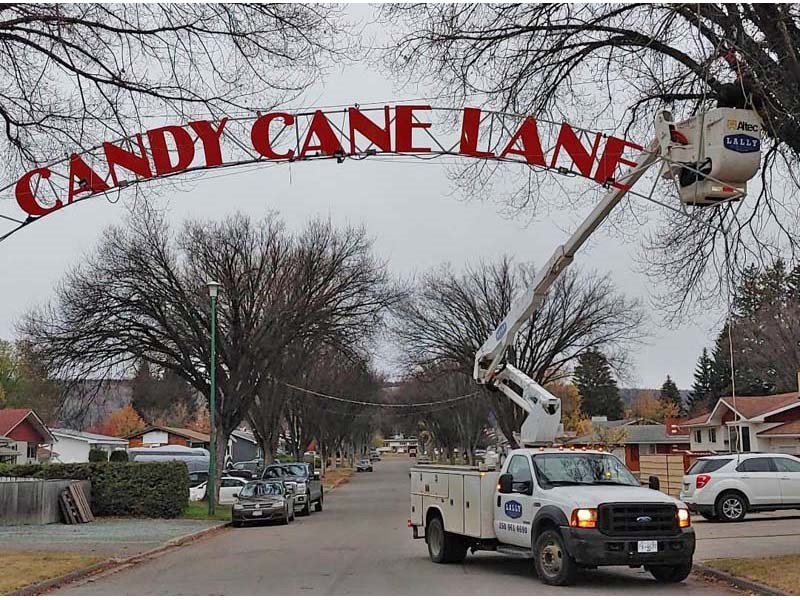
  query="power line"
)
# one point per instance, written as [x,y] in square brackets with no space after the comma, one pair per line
[378,404]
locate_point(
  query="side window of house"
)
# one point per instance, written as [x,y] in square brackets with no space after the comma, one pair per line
[712,436]
[698,436]
[31,451]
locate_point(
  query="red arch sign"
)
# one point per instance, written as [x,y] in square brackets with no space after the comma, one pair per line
[350,132]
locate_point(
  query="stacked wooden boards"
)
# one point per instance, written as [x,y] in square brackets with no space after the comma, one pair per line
[74,505]
[669,468]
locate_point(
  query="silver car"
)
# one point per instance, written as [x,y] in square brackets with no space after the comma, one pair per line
[261,501]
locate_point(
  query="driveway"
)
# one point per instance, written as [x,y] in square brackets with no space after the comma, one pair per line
[360,545]
[760,534]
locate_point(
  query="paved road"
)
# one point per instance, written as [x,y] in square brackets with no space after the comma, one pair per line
[359,545]
[760,534]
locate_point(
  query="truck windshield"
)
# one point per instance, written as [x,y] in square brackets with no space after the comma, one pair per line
[581,469]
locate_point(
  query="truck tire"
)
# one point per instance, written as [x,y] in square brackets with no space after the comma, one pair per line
[443,547]
[708,515]
[671,573]
[731,507]
[306,508]
[318,505]
[554,565]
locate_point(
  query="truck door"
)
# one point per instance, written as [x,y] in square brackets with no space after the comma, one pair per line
[513,513]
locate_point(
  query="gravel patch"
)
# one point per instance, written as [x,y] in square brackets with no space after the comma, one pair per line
[104,537]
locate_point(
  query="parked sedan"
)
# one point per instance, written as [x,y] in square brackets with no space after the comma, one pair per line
[363,465]
[229,487]
[261,501]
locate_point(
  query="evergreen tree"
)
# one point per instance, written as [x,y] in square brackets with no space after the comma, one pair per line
[671,394]
[597,386]
[703,390]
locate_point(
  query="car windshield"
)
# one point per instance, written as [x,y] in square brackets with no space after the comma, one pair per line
[297,470]
[274,472]
[581,469]
[261,489]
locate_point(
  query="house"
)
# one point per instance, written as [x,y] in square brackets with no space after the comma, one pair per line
[72,446]
[763,423]
[401,444]
[27,433]
[638,437]
[242,446]
[161,435]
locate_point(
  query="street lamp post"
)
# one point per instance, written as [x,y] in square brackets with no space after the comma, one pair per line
[213,291]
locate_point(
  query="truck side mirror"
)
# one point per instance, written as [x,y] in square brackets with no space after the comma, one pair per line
[505,482]
[654,483]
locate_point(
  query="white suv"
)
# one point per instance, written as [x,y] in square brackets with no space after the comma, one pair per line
[726,487]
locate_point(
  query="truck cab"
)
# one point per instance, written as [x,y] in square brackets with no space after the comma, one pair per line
[565,509]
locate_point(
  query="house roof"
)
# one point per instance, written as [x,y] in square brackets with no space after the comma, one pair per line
[698,420]
[639,434]
[751,407]
[92,438]
[195,436]
[790,428]
[11,417]
[244,435]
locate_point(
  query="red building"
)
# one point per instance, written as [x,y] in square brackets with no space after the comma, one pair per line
[24,434]
[160,435]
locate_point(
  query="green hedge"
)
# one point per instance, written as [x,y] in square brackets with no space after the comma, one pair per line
[97,455]
[132,489]
[118,456]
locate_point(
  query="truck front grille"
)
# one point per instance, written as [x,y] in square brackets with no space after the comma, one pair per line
[637,519]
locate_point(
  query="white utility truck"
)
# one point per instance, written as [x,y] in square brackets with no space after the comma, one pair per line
[564,508]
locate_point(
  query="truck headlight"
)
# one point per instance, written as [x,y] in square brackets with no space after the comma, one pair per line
[585,518]
[238,506]
[301,488]
[684,519]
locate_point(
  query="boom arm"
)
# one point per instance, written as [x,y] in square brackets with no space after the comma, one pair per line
[544,409]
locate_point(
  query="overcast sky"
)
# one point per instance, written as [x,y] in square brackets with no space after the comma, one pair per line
[408,207]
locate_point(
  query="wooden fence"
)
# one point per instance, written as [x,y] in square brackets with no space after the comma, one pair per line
[33,501]
[669,468]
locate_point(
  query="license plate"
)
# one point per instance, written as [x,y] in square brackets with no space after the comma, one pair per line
[648,546]
[258,513]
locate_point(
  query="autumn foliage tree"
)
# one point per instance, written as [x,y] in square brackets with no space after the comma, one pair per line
[122,422]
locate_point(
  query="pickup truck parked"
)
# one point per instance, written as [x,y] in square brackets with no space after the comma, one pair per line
[309,485]
[565,509]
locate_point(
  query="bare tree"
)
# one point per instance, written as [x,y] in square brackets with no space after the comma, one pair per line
[450,315]
[73,74]
[613,65]
[142,296]
[460,424]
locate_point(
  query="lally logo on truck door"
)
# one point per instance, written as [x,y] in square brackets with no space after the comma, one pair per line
[513,509]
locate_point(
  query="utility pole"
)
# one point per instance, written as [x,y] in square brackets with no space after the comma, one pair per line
[211,485]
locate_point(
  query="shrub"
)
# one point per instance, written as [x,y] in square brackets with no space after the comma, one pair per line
[129,489]
[97,455]
[118,456]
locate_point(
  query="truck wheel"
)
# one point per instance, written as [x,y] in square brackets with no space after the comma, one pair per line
[554,565]
[318,505]
[708,515]
[731,506]
[306,508]
[671,573]
[443,547]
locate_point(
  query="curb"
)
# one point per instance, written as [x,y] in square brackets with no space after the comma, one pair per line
[739,582]
[106,566]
